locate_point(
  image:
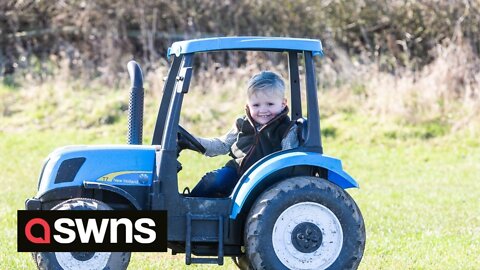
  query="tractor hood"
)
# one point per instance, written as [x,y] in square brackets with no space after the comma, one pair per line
[113,164]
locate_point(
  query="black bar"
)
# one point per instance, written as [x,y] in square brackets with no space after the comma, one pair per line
[188,241]
[61,231]
[296,101]
[135,108]
[313,140]
[165,102]
[220,240]
[169,140]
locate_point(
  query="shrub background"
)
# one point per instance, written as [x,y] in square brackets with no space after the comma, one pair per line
[93,35]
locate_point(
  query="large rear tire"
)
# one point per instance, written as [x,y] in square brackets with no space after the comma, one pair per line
[242,262]
[81,260]
[304,223]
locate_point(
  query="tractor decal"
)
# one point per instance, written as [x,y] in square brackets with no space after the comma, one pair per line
[127,177]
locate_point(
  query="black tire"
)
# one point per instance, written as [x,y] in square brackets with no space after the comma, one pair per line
[81,260]
[242,262]
[327,227]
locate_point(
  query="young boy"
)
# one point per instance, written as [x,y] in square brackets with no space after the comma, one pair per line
[266,128]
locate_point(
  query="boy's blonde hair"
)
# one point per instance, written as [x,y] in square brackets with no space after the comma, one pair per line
[266,82]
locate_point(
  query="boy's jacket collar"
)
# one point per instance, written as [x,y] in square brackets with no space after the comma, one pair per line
[255,124]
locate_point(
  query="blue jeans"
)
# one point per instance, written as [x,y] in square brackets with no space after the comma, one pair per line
[217,184]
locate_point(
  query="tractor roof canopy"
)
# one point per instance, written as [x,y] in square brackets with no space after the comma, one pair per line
[245,43]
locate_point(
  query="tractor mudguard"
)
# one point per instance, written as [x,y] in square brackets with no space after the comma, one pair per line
[70,166]
[277,161]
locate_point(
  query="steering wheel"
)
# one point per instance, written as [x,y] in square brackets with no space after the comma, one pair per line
[185,140]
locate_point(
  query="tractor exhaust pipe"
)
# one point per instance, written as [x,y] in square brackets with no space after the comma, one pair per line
[135,106]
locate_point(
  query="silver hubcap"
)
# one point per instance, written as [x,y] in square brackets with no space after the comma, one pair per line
[318,237]
[67,261]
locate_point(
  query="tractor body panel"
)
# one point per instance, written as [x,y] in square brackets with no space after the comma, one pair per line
[116,165]
[280,160]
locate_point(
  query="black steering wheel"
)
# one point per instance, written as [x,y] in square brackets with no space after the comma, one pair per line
[185,140]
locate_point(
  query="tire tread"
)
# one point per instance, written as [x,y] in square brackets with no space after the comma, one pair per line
[259,215]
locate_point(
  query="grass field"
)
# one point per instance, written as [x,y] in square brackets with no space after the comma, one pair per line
[419,195]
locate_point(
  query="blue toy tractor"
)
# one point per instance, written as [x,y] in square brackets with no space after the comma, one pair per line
[288,211]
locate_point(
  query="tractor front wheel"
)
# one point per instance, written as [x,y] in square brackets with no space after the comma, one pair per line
[304,223]
[81,260]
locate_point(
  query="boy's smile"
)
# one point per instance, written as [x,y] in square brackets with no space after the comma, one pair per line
[265,106]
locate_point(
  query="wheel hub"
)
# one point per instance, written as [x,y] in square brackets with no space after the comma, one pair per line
[82,260]
[306,237]
[83,256]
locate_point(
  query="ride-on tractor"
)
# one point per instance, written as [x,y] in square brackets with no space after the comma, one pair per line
[289,210]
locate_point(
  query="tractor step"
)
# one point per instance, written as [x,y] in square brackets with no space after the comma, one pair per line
[196,239]
[204,239]
[205,261]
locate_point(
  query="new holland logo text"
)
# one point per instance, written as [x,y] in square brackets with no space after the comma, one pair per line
[58,231]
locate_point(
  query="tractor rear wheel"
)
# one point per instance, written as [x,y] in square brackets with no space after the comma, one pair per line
[242,262]
[81,260]
[304,223]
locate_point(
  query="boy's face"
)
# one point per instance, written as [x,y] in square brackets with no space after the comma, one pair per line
[265,106]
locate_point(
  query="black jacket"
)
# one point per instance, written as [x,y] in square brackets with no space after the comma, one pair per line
[252,144]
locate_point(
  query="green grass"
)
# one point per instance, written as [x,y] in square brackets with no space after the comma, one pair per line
[420,197]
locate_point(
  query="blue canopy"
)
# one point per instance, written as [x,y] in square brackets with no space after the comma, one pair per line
[246,43]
